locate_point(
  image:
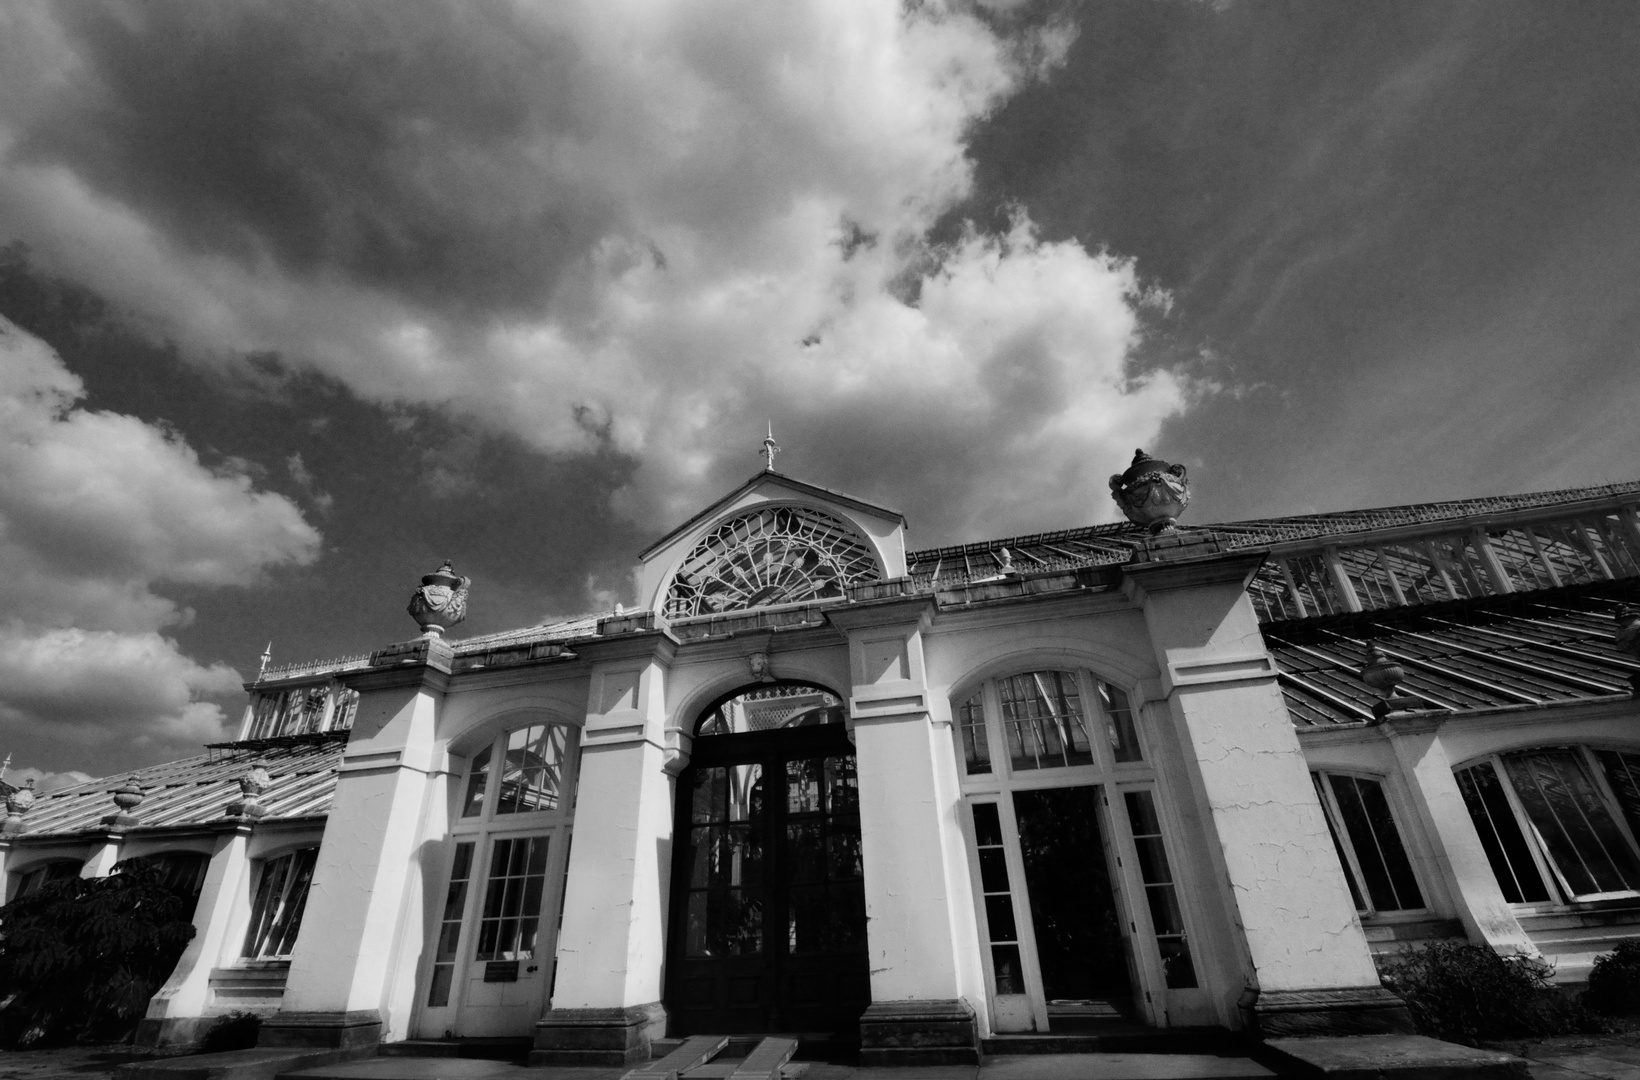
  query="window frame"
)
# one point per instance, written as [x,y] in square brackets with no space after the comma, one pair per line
[1114,779]
[263,866]
[1550,875]
[1322,779]
[482,830]
[1091,701]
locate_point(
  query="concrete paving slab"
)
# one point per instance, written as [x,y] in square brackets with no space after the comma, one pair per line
[442,1068]
[1390,1057]
[1595,1064]
[1541,1070]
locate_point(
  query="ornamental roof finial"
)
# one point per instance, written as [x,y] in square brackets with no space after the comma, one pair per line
[769,448]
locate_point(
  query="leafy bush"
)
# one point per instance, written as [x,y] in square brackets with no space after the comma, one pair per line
[79,959]
[1614,982]
[1466,993]
[236,1031]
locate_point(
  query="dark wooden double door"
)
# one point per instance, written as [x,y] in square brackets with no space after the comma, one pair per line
[768,921]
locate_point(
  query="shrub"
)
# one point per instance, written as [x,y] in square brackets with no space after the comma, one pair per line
[1614,982]
[236,1031]
[1466,993]
[80,958]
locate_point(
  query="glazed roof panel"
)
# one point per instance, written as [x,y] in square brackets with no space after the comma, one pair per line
[1114,542]
[1551,647]
[194,791]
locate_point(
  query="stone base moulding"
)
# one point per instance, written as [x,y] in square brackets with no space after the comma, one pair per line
[614,1036]
[938,1032]
[1345,1010]
[343,1030]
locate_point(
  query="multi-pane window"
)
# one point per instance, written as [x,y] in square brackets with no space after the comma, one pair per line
[511,916]
[38,876]
[276,913]
[1001,925]
[1368,844]
[532,769]
[302,710]
[1558,823]
[449,928]
[1079,907]
[1161,894]
[532,772]
[1045,722]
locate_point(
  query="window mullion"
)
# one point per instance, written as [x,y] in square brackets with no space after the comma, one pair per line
[1547,870]
[1002,756]
[1607,793]
[1346,844]
[1029,961]
[1099,723]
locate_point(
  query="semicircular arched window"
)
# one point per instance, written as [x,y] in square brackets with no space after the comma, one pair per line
[776,555]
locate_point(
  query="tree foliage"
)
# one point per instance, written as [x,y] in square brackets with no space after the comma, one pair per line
[79,959]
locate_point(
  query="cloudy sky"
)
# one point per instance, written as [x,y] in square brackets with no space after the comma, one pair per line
[300,298]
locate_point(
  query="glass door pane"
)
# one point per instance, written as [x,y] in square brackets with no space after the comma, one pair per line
[1080,946]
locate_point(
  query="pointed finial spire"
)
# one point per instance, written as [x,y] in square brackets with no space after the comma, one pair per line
[769,448]
[267,654]
[4,765]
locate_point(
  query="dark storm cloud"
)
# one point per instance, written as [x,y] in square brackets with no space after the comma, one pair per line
[1409,230]
[399,146]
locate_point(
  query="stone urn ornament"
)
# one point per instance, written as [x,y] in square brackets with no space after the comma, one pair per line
[18,803]
[1384,676]
[1151,493]
[252,784]
[127,797]
[441,602]
[1627,638]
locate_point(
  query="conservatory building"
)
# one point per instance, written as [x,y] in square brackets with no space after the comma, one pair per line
[917,802]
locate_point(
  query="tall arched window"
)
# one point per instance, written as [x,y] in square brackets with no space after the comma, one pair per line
[1079,905]
[1559,823]
[494,950]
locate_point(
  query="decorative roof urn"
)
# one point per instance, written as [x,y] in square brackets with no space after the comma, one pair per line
[251,786]
[18,803]
[1627,638]
[1383,675]
[127,797]
[1151,493]
[441,602]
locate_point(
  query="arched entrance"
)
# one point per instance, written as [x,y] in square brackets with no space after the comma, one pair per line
[768,924]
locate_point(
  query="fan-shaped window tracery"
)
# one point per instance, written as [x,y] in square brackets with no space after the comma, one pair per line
[777,555]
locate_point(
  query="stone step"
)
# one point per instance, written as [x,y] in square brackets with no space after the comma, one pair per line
[498,1049]
[1121,1037]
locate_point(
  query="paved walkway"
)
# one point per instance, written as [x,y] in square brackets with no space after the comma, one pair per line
[1579,1057]
[1010,1067]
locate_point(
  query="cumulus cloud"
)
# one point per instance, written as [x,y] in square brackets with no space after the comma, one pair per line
[598,225]
[97,510]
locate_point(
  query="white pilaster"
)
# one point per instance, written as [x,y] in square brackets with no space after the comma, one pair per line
[105,852]
[612,944]
[1301,940]
[366,884]
[186,992]
[1462,861]
[911,846]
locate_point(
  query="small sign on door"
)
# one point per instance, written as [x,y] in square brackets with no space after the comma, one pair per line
[501,971]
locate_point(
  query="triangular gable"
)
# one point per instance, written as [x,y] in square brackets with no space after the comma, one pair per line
[881,527]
